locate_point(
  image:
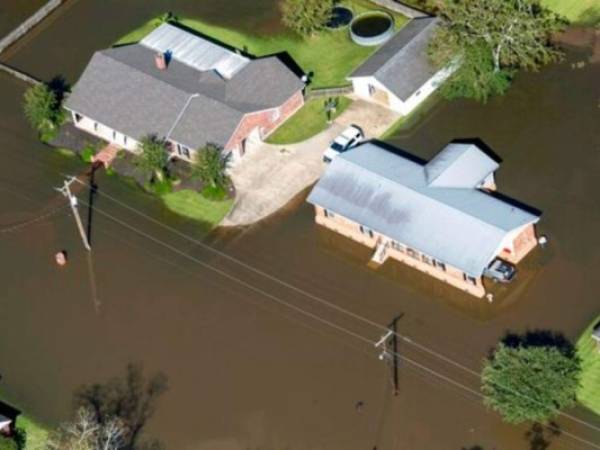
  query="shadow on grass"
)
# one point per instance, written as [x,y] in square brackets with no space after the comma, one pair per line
[132,399]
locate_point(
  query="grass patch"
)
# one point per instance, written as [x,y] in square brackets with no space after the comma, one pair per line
[307,122]
[194,205]
[329,55]
[66,152]
[36,434]
[589,391]
[577,11]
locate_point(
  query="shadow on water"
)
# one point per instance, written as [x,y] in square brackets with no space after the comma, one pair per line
[540,437]
[540,338]
[132,399]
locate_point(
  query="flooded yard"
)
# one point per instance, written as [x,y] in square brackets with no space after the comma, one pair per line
[245,369]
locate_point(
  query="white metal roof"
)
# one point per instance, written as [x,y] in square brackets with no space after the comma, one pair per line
[390,194]
[194,51]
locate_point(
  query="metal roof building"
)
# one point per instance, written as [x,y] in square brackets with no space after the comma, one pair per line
[435,208]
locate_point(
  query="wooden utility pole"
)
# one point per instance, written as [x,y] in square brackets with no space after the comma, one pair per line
[389,351]
[66,191]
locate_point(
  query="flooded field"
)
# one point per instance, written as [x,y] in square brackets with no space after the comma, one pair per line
[245,369]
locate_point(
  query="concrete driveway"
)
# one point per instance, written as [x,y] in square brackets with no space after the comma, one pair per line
[269,176]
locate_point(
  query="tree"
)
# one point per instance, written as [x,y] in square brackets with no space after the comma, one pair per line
[210,165]
[86,432]
[530,382]
[42,108]
[306,17]
[154,156]
[488,40]
[131,400]
[7,443]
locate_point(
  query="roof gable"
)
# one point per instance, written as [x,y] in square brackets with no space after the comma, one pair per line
[389,194]
[459,166]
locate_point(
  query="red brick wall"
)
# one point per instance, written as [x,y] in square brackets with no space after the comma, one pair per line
[265,120]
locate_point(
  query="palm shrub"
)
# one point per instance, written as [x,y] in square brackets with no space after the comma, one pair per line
[42,108]
[209,167]
[154,157]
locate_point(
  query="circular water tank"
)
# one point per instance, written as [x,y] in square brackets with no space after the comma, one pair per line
[372,28]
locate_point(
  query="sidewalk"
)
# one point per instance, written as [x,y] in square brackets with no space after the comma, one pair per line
[269,176]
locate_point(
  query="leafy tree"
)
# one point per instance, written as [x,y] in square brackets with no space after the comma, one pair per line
[7,443]
[306,17]
[530,382]
[210,165]
[154,156]
[488,40]
[42,108]
[86,432]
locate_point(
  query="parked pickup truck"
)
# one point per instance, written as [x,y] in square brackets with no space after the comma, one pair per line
[500,270]
[350,137]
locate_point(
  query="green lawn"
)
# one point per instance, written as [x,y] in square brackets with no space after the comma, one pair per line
[578,11]
[308,121]
[193,205]
[330,55]
[36,433]
[589,392]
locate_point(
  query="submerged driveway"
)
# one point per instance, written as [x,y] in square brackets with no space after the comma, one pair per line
[270,176]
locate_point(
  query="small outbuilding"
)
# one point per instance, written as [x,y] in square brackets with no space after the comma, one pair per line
[399,74]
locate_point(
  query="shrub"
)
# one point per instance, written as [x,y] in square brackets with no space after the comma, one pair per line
[42,109]
[8,444]
[306,16]
[210,165]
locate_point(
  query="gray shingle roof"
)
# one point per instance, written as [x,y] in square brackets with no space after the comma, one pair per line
[122,88]
[402,64]
[462,227]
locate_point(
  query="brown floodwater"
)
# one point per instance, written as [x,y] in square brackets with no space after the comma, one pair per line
[247,372]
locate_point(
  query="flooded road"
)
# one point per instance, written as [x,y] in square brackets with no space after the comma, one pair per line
[254,364]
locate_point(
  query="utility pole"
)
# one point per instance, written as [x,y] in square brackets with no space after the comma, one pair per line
[66,191]
[390,357]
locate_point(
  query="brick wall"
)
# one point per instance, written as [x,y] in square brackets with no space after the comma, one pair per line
[266,120]
[351,229]
[522,244]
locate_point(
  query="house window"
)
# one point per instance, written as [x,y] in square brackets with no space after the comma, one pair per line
[418,93]
[114,135]
[329,214]
[440,265]
[399,247]
[427,260]
[365,230]
[124,140]
[412,253]
[95,126]
[78,117]
[372,90]
[469,279]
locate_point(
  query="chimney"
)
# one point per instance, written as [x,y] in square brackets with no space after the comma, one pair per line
[161,61]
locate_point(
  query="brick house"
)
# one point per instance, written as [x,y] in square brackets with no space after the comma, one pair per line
[442,217]
[185,89]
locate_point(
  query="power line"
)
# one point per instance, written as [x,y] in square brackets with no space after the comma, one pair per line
[380,327]
[402,357]
[322,301]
